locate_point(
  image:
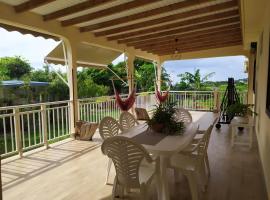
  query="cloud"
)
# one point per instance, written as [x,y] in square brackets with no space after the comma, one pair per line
[33,49]
[224,67]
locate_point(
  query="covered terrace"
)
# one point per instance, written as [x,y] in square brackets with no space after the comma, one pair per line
[155,30]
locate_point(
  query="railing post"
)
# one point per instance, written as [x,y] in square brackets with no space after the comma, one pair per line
[69,117]
[185,102]
[216,101]
[79,110]
[44,125]
[17,127]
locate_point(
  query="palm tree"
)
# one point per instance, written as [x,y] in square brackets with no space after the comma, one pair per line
[195,81]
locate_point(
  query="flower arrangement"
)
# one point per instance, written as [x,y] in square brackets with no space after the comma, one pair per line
[163,120]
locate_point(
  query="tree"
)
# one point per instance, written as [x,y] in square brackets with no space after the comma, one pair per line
[145,76]
[194,81]
[13,68]
[87,87]
[57,89]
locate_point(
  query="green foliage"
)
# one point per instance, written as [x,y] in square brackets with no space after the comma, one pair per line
[13,68]
[88,88]
[193,81]
[145,76]
[57,89]
[239,109]
[103,77]
[164,119]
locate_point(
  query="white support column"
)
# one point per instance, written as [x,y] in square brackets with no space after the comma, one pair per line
[250,71]
[72,81]
[130,68]
[159,70]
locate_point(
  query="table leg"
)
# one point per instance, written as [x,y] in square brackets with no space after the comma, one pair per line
[163,193]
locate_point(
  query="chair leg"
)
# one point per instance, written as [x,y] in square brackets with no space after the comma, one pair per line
[203,177]
[115,191]
[207,164]
[143,192]
[108,170]
[193,185]
[176,175]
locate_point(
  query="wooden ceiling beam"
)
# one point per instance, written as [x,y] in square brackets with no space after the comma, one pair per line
[143,15]
[220,23]
[191,39]
[196,20]
[195,43]
[210,37]
[75,8]
[29,5]
[193,46]
[196,46]
[106,12]
[199,48]
[186,35]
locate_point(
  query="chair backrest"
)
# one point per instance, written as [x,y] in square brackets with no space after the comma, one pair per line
[203,144]
[183,115]
[109,127]
[127,120]
[142,114]
[127,156]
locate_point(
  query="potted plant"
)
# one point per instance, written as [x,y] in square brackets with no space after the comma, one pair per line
[163,120]
[242,111]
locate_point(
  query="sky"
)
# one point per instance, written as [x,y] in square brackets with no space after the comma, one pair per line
[34,49]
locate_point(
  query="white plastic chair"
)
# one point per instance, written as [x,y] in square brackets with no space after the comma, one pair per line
[127,120]
[127,157]
[193,164]
[109,127]
[183,115]
[196,140]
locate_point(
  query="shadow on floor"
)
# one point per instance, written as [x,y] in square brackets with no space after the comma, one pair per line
[19,170]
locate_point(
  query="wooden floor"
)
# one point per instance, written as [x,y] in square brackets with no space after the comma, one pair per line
[74,170]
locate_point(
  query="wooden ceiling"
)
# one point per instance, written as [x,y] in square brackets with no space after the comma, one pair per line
[157,26]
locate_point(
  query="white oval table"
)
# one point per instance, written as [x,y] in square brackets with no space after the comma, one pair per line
[166,147]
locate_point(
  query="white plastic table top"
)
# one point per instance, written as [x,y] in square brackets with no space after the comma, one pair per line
[168,145]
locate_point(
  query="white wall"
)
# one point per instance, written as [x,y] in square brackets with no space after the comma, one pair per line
[263,121]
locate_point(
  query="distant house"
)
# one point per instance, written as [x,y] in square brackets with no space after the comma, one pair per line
[15,92]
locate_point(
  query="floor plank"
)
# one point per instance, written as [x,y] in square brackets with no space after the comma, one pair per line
[76,170]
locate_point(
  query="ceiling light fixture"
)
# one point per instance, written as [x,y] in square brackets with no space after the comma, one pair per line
[176,49]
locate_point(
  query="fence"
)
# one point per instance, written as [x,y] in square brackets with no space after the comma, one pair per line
[28,126]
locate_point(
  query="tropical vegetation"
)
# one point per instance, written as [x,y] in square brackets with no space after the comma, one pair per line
[97,82]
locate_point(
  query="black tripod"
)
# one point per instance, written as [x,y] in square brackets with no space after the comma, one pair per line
[230,97]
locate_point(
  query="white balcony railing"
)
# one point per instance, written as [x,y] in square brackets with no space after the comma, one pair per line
[28,126]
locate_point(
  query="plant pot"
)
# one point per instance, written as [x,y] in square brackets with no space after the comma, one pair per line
[241,119]
[157,127]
